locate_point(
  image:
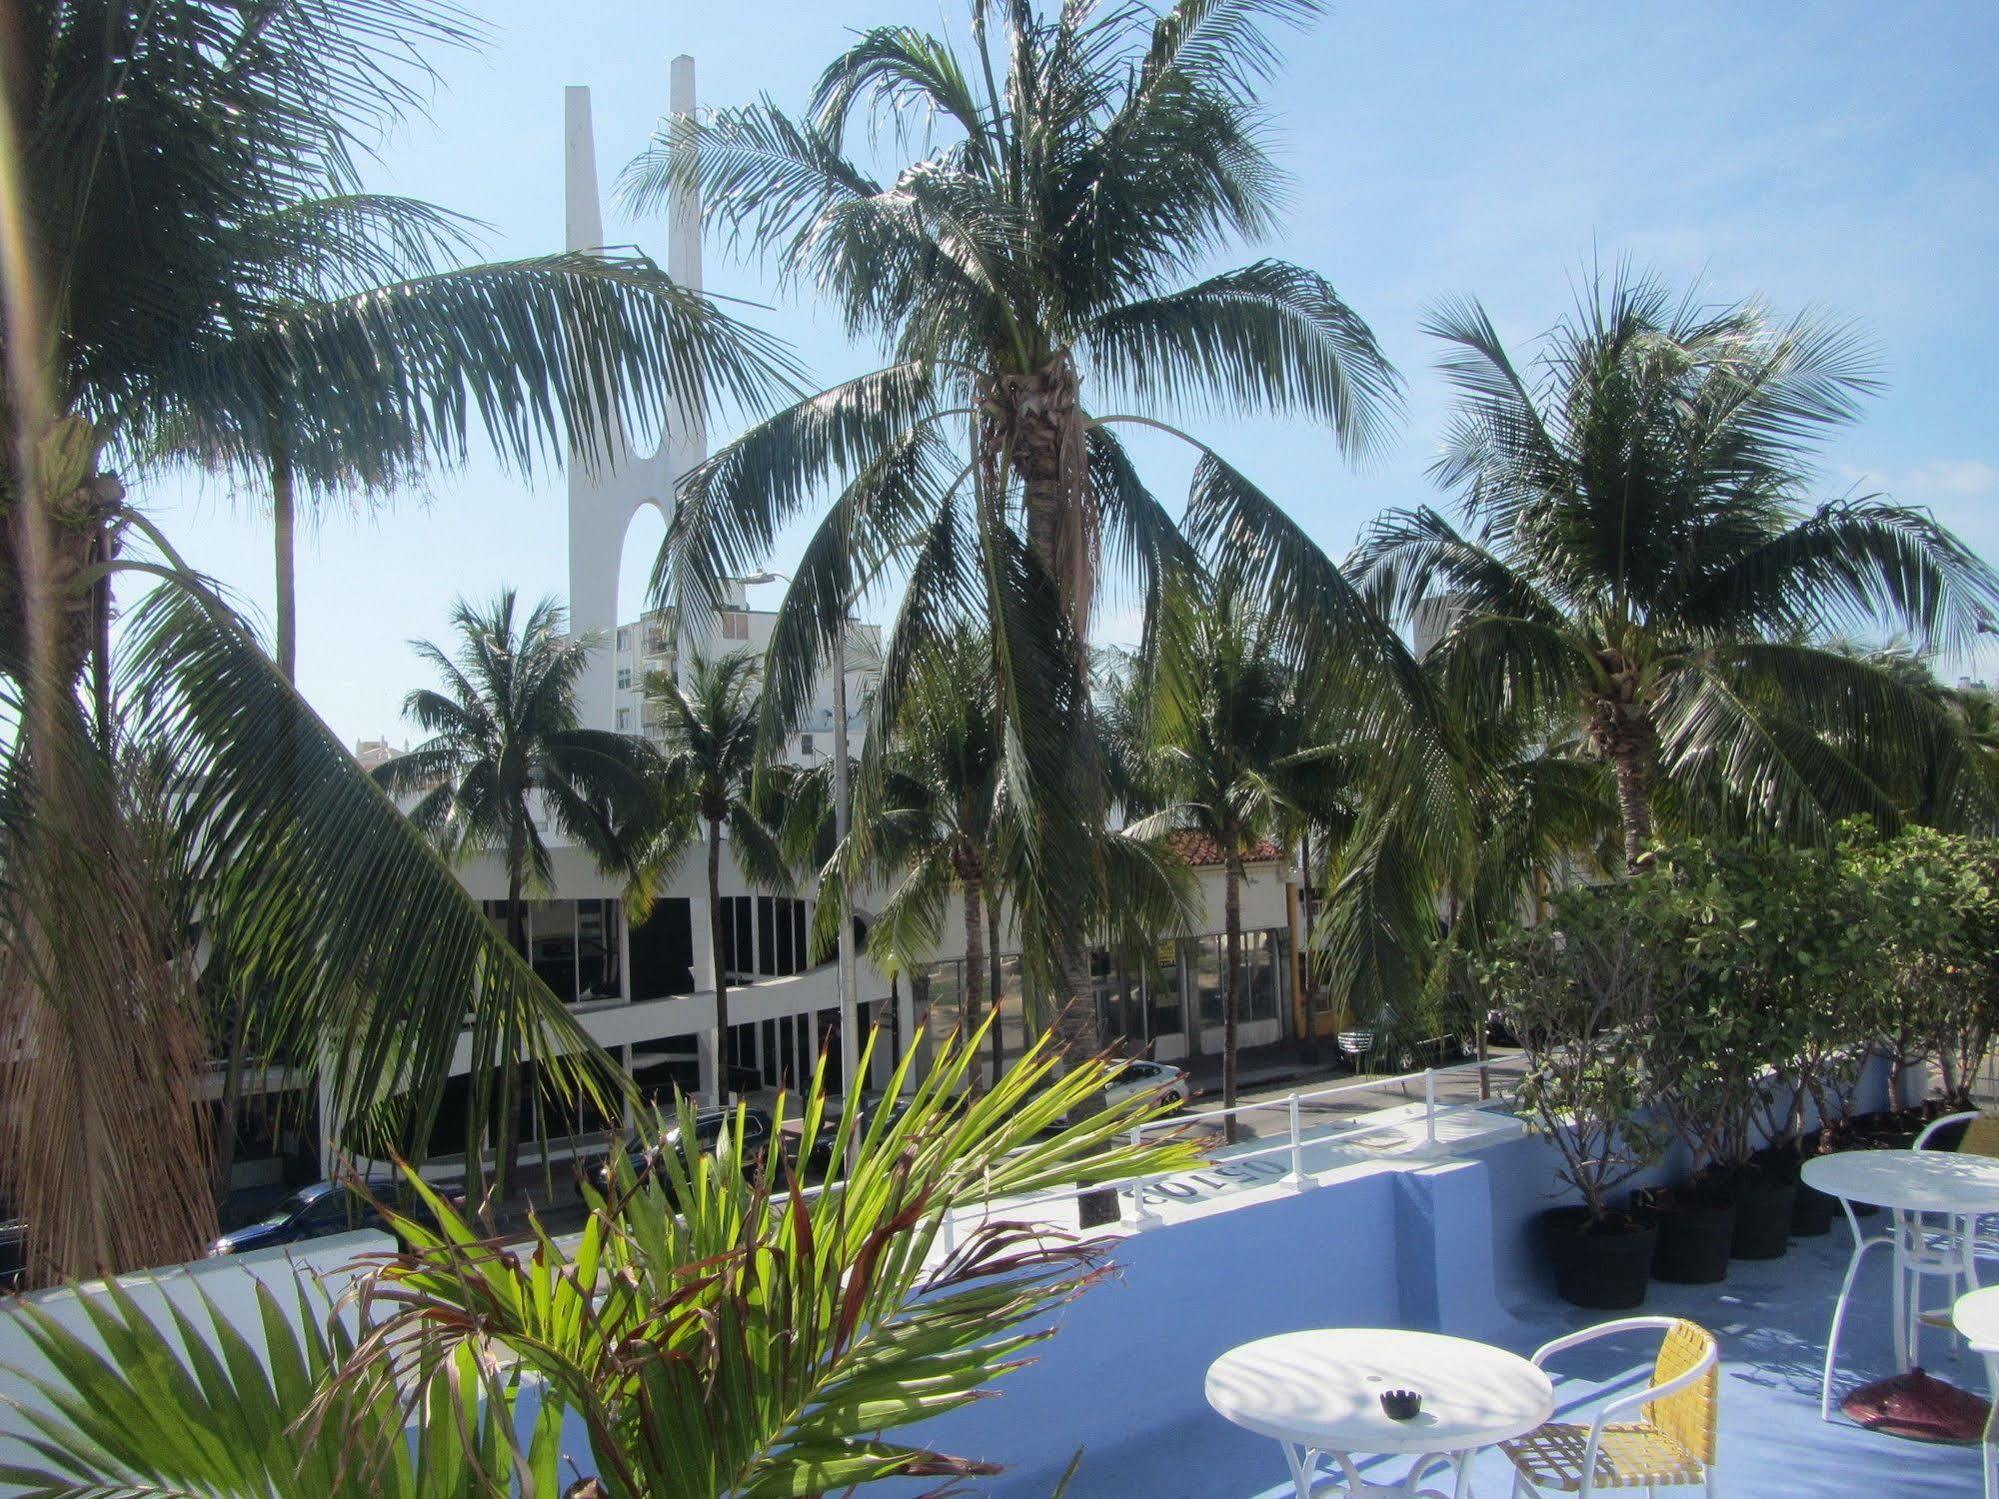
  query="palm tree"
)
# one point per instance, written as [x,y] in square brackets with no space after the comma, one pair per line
[842,1325]
[1233,748]
[929,818]
[152,151]
[1640,546]
[1028,277]
[503,753]
[708,782]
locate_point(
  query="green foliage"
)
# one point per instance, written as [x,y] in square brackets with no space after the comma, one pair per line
[1038,271]
[1583,992]
[1636,566]
[1938,999]
[716,1328]
[214,1410]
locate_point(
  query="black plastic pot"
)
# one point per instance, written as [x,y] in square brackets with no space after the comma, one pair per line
[1603,1268]
[1764,1201]
[1812,1212]
[1695,1232]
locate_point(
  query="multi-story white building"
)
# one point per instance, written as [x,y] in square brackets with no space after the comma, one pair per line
[651,650]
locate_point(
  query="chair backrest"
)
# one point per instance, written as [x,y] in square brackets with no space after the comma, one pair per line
[1981,1136]
[1688,1416]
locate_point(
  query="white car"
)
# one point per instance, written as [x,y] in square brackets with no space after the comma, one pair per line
[1167,1083]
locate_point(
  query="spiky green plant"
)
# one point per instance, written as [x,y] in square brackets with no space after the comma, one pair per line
[716,1328]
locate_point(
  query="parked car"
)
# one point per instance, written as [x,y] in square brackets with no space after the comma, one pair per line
[312,1212]
[642,1151]
[1160,1079]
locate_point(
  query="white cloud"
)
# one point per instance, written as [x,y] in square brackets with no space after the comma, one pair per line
[1938,481]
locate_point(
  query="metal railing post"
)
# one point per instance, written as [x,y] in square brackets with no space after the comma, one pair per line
[1430,1107]
[1298,1181]
[950,1232]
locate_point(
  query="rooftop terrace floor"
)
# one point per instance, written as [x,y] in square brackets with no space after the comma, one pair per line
[1771,1319]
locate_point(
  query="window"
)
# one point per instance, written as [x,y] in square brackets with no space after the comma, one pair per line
[624,679]
[735,625]
[624,637]
[624,720]
[1162,992]
[1208,980]
[804,744]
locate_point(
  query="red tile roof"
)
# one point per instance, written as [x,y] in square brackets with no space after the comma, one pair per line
[1199,849]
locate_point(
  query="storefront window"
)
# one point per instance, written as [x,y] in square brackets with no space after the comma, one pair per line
[1208,980]
[1259,976]
[1162,993]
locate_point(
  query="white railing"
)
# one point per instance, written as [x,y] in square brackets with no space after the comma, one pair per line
[1291,1142]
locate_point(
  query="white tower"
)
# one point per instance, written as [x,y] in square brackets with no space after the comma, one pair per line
[607,489]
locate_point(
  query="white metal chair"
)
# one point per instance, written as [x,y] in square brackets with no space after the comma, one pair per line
[1670,1445]
[1948,1250]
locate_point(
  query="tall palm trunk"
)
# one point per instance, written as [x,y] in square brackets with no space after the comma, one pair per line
[282,521]
[1232,976]
[513,1072]
[715,957]
[1621,731]
[993,979]
[975,965]
[1306,976]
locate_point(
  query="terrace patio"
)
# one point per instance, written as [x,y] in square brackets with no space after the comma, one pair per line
[1397,1233]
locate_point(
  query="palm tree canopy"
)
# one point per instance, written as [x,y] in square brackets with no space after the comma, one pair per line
[211,283]
[709,769]
[1036,275]
[503,745]
[1638,536]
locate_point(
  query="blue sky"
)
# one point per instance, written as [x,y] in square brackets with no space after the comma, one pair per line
[1838,155]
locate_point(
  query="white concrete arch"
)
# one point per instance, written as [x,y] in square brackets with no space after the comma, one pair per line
[606,494]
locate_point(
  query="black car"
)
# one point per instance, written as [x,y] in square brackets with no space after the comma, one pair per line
[311,1212]
[642,1152]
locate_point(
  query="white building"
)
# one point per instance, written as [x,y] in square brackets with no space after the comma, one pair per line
[651,649]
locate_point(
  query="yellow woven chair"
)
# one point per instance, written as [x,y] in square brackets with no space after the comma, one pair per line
[1670,1445]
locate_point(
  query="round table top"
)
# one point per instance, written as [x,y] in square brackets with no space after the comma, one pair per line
[1914,1181]
[1322,1389]
[1976,1315]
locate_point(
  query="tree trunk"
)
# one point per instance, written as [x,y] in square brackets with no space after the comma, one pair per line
[715,958]
[286,558]
[232,1101]
[1306,975]
[507,1146]
[975,969]
[1231,978]
[1633,768]
[994,980]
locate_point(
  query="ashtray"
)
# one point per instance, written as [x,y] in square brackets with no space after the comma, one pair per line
[1401,1405]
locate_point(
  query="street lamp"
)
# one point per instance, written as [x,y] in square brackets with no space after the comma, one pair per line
[849,1003]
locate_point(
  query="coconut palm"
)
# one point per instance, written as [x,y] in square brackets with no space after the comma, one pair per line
[708,782]
[929,820]
[152,151]
[502,754]
[1639,544]
[1033,275]
[1232,753]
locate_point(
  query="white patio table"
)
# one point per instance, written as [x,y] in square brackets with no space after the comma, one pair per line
[1910,1184]
[1318,1394]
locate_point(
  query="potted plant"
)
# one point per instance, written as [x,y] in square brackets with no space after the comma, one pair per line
[1580,992]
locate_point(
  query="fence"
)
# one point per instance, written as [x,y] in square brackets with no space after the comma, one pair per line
[1492,1079]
